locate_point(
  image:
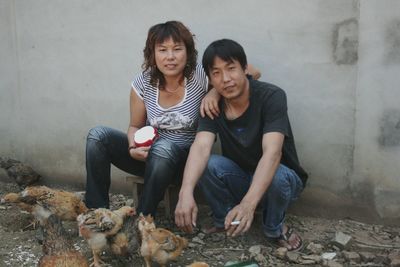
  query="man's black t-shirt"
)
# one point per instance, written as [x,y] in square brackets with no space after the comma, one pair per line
[241,138]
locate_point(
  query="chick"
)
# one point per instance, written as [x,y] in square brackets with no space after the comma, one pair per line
[98,225]
[158,244]
[58,249]
[126,241]
[23,174]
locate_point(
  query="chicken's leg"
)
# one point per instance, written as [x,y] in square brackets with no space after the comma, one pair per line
[148,261]
[97,262]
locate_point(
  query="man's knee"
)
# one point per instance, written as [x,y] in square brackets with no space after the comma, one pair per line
[280,186]
[214,163]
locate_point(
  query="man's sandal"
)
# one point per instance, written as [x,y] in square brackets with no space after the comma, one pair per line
[285,239]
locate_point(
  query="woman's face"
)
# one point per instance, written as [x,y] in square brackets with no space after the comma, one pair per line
[171,57]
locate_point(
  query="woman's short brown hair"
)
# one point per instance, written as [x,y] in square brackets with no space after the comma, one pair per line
[158,34]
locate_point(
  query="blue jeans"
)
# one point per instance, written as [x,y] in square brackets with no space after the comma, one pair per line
[105,146]
[224,184]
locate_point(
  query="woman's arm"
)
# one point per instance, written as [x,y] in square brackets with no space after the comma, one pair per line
[137,121]
[209,104]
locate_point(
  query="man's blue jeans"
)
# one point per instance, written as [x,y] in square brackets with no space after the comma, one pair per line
[105,146]
[224,184]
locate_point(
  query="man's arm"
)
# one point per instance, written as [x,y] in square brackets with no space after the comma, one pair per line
[244,212]
[186,208]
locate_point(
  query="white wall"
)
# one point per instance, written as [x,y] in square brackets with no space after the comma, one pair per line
[66,66]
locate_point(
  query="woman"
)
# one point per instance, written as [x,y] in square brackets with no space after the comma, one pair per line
[166,95]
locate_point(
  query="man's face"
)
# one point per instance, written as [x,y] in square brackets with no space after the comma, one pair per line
[228,78]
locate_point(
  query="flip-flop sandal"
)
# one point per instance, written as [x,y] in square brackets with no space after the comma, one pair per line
[285,237]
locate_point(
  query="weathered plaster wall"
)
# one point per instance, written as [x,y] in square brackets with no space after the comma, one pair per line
[66,66]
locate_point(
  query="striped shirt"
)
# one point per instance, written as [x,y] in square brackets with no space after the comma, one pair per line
[177,123]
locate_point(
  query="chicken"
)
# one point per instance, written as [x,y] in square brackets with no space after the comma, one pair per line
[57,248]
[66,205]
[158,244]
[126,241]
[198,264]
[99,225]
[23,174]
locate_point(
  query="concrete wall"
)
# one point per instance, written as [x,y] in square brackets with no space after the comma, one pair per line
[66,66]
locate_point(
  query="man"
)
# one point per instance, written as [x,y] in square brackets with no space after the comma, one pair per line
[259,163]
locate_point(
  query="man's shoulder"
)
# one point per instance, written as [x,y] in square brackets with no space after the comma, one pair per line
[263,90]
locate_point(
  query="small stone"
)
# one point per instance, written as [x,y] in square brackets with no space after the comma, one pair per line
[394,258]
[280,252]
[192,245]
[328,255]
[306,262]
[315,258]
[381,259]
[395,262]
[293,256]
[315,248]
[255,249]
[367,256]
[341,240]
[330,263]
[219,257]
[198,240]
[201,235]
[352,256]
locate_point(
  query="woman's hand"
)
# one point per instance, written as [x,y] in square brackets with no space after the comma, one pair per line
[209,104]
[139,153]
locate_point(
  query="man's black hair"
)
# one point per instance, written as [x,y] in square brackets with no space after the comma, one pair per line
[227,50]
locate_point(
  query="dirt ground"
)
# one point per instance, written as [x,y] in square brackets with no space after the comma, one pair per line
[369,245]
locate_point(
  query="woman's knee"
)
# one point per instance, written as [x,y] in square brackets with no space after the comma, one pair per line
[167,150]
[98,133]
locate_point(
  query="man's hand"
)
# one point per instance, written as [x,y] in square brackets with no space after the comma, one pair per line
[242,216]
[186,213]
[140,153]
[209,104]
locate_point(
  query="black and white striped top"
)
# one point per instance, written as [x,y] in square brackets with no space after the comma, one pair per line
[177,123]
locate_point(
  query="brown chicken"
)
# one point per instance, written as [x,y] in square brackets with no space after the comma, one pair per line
[57,248]
[66,205]
[99,225]
[158,244]
[126,241]
[23,174]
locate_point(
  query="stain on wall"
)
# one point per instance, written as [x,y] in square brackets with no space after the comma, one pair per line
[387,203]
[392,43]
[390,128]
[345,42]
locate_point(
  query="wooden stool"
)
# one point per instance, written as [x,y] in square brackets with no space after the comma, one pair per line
[135,180]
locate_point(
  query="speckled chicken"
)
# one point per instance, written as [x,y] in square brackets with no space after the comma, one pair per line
[97,226]
[158,244]
[66,205]
[126,241]
[58,249]
[23,174]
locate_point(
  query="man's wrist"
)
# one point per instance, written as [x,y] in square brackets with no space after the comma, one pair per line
[130,148]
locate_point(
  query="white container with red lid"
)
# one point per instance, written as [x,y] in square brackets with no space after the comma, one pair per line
[145,136]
